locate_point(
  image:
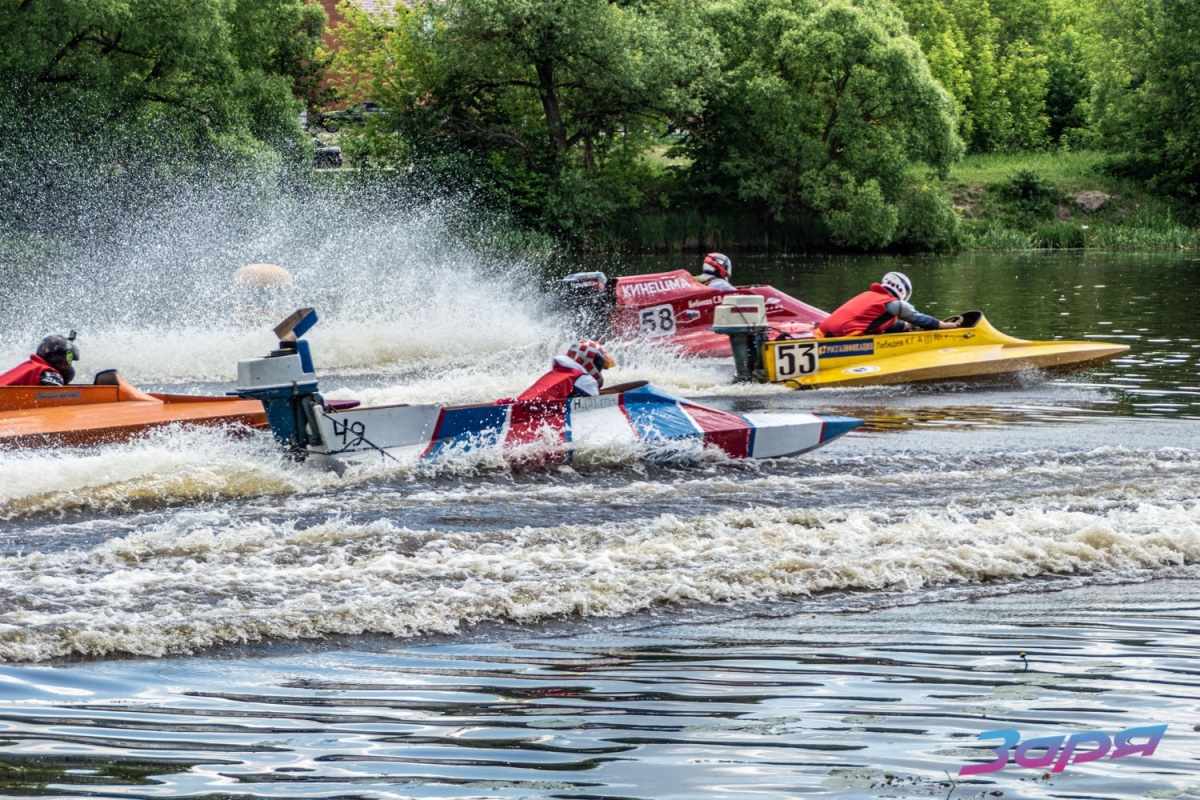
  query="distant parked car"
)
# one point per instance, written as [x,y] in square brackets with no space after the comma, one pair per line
[332,120]
[326,155]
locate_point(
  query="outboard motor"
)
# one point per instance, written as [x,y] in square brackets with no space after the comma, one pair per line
[743,318]
[589,297]
[285,383]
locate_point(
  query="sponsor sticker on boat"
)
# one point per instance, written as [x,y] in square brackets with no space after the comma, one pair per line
[633,290]
[892,341]
[593,403]
[841,349]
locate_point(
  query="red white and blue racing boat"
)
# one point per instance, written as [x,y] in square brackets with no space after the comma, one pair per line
[657,425]
[675,309]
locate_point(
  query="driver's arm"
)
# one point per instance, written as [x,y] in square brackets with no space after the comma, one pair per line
[916,319]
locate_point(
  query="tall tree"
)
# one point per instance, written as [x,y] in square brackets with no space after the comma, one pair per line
[989,54]
[543,93]
[115,92]
[1146,55]
[825,106]
[207,63]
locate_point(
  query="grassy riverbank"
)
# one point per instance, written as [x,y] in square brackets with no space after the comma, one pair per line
[1004,202]
[1061,200]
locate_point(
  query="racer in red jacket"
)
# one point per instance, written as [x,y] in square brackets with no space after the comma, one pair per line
[884,308]
[577,373]
[51,365]
[716,271]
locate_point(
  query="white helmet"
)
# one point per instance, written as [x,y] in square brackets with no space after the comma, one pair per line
[898,284]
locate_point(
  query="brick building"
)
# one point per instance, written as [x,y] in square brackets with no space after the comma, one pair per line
[335,18]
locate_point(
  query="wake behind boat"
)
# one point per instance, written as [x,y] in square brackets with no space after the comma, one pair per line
[657,425]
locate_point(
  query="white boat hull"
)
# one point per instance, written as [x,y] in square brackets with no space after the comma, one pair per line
[658,426]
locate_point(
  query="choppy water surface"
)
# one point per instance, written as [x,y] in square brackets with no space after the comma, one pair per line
[796,699]
[197,615]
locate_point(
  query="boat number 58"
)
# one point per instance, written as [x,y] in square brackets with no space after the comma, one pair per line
[794,359]
[657,321]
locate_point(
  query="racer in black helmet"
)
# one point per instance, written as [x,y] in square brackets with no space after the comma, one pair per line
[52,365]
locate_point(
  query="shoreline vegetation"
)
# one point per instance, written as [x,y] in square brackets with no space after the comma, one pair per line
[869,126]
[1027,201]
[1019,202]
[1075,205]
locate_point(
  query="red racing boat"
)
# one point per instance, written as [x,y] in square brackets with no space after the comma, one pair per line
[677,309]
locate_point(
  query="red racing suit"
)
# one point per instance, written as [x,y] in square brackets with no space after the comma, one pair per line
[30,373]
[863,314]
[557,384]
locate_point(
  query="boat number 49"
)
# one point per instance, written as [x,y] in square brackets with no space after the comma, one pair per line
[657,321]
[793,359]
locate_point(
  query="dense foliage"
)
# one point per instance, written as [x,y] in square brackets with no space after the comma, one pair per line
[824,106]
[830,122]
[833,111]
[549,101]
[1148,90]
[114,96]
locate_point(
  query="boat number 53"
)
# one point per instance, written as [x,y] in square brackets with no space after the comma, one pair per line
[794,359]
[657,321]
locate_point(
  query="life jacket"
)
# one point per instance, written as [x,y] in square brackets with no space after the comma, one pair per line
[863,314]
[28,373]
[557,384]
[722,285]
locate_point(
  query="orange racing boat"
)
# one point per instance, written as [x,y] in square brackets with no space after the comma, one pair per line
[110,410]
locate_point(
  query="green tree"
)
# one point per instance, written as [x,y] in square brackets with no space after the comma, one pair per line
[1068,90]
[992,57]
[119,94]
[1146,55]
[541,97]
[825,107]
[208,64]
[284,39]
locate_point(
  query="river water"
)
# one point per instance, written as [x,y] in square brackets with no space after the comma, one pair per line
[193,615]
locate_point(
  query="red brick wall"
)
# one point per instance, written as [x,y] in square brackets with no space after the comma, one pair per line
[331,78]
[335,18]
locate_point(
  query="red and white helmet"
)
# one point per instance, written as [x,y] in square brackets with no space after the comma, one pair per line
[590,356]
[718,264]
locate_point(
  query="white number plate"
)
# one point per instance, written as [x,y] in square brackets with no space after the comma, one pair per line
[793,359]
[657,321]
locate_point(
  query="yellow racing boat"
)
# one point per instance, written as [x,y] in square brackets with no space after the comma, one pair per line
[973,350]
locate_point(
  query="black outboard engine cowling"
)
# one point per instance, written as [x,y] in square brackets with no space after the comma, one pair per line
[588,298]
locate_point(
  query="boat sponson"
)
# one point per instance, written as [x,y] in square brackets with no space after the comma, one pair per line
[973,362]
